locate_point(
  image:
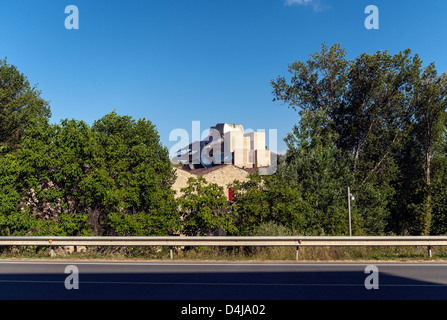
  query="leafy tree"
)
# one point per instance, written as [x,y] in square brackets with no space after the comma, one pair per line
[422,155]
[12,221]
[20,106]
[250,204]
[288,209]
[54,161]
[113,178]
[318,169]
[430,122]
[142,177]
[372,105]
[439,188]
[74,180]
[204,210]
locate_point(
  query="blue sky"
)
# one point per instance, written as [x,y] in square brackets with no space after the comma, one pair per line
[179,61]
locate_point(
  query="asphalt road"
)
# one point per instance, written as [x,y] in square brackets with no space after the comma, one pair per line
[220,281]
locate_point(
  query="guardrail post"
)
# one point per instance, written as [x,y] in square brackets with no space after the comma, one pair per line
[298,250]
[51,248]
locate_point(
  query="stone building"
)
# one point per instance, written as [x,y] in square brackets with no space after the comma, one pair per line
[226,144]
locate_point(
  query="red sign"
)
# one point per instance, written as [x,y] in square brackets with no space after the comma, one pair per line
[230,194]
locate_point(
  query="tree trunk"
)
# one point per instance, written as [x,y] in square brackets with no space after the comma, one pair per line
[426,220]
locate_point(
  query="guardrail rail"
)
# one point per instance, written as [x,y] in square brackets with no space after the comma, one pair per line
[175,241]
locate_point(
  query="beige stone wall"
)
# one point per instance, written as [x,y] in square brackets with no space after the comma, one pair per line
[221,175]
[182,180]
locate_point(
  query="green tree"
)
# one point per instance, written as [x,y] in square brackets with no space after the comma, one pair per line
[20,106]
[250,205]
[267,200]
[71,179]
[142,177]
[368,104]
[315,166]
[288,209]
[439,188]
[204,209]
[424,148]
[113,178]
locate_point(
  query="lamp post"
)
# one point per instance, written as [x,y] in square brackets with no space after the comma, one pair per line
[350,197]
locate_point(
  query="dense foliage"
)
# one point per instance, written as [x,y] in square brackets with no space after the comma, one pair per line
[113,178]
[377,124]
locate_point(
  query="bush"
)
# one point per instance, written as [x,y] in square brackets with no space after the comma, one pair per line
[271,229]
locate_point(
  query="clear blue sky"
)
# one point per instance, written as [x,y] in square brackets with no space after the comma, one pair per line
[177,61]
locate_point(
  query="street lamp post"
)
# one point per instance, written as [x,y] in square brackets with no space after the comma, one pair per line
[350,197]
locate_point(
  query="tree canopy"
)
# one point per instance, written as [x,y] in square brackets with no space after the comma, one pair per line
[20,106]
[114,178]
[383,116]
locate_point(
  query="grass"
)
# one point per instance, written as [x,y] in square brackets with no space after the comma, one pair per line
[316,253]
[232,253]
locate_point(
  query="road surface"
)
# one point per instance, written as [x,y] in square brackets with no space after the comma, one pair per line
[236,281]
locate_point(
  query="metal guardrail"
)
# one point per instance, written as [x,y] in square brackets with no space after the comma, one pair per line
[173,241]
